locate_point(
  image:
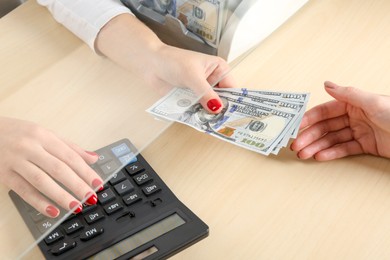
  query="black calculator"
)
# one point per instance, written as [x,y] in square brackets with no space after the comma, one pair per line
[137,216]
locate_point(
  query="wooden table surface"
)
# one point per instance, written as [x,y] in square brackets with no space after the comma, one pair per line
[257,207]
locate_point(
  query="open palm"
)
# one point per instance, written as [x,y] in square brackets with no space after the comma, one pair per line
[356,122]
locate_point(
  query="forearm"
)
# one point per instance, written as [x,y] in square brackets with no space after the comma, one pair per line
[128,42]
[84,18]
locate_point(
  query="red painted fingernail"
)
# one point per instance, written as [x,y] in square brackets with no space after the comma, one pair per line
[92,199]
[76,206]
[52,211]
[214,104]
[97,184]
[91,153]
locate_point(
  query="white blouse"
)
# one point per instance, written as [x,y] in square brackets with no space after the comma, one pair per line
[84,18]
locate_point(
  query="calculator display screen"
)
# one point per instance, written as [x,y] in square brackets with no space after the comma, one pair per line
[144,236]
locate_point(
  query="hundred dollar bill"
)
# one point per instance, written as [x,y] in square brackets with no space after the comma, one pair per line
[290,96]
[295,108]
[284,104]
[202,17]
[292,102]
[252,126]
[287,106]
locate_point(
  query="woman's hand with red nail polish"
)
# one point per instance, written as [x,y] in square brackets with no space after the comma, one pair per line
[194,70]
[168,66]
[36,164]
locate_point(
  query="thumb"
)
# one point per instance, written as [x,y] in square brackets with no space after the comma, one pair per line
[211,102]
[350,95]
[208,98]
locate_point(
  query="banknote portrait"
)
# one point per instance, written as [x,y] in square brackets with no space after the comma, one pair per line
[197,116]
[162,7]
[257,126]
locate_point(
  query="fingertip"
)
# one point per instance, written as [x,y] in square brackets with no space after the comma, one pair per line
[329,84]
[292,146]
[320,157]
[75,206]
[92,157]
[91,198]
[97,184]
[296,145]
[303,155]
[213,105]
[92,153]
[298,155]
[52,211]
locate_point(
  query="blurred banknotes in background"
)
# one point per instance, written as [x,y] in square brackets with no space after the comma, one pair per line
[162,7]
[261,121]
[204,18]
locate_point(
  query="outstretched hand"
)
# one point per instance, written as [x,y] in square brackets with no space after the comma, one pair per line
[356,122]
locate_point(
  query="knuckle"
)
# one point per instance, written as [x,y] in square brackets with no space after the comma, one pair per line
[36,131]
[19,188]
[57,169]
[37,178]
[71,158]
[21,145]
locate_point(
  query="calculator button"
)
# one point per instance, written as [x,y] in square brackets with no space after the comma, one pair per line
[109,167]
[72,226]
[112,207]
[142,178]
[104,157]
[134,168]
[94,216]
[63,247]
[53,237]
[120,150]
[128,158]
[116,178]
[124,187]
[150,189]
[87,207]
[131,198]
[106,196]
[91,233]
[45,225]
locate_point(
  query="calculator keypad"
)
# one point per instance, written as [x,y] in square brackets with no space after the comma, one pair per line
[133,199]
[124,189]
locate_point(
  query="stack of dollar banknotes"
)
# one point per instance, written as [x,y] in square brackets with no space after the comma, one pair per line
[261,121]
[204,18]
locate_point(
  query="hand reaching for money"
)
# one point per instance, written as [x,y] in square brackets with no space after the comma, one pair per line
[260,121]
[162,66]
[175,67]
[356,122]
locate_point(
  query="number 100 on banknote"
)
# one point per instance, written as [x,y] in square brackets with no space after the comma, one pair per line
[202,17]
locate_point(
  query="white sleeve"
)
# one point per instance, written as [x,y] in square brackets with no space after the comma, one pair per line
[84,18]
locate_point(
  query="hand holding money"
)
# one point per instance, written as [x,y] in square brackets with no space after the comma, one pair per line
[261,121]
